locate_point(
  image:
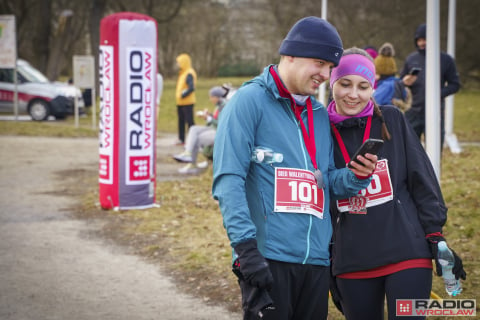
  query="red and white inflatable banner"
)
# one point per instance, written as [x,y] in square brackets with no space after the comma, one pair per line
[127,71]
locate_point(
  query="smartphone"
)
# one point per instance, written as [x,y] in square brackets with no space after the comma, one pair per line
[414,71]
[371,146]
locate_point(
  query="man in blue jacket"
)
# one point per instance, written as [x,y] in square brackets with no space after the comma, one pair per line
[276,214]
[449,83]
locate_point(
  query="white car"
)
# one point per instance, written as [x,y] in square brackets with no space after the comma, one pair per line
[37,96]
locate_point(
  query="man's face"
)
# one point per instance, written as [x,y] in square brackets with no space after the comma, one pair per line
[421,43]
[305,75]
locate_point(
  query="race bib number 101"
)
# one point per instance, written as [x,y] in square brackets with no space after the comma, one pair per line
[296,191]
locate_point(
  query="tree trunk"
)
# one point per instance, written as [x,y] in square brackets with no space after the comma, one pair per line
[41,39]
[96,13]
[59,42]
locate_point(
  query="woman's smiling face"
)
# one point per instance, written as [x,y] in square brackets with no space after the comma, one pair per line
[351,94]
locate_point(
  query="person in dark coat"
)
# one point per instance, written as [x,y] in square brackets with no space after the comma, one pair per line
[385,237]
[449,83]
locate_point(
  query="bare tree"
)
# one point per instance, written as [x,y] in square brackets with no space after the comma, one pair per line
[41,37]
[203,40]
[59,44]
[220,32]
[31,33]
[97,10]
[164,12]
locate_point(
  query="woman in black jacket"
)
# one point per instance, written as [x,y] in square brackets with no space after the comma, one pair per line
[385,237]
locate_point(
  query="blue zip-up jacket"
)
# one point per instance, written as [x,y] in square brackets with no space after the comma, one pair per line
[387,89]
[258,116]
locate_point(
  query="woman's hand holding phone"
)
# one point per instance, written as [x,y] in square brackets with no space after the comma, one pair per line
[365,159]
[364,166]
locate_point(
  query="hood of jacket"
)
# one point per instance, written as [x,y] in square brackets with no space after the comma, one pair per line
[184,62]
[420,32]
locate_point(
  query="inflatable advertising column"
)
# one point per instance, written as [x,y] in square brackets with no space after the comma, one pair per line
[127,71]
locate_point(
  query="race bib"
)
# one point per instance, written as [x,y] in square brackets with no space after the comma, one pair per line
[296,191]
[378,191]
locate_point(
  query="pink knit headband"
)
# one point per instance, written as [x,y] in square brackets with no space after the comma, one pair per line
[354,64]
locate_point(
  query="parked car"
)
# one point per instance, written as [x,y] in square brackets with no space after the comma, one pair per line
[37,96]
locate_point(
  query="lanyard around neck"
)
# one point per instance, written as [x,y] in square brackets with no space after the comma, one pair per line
[309,139]
[341,144]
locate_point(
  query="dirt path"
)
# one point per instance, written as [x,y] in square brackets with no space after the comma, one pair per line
[52,266]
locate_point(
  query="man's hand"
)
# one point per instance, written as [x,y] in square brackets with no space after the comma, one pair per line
[252,265]
[409,79]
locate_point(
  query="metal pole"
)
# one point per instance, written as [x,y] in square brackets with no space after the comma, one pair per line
[321,91]
[432,93]
[94,110]
[450,137]
[76,111]
[15,93]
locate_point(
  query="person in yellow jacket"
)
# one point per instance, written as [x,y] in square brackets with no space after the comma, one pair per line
[185,94]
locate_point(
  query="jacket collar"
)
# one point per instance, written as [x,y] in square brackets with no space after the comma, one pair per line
[353,122]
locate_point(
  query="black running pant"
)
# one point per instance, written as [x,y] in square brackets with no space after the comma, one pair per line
[300,292]
[185,117]
[364,298]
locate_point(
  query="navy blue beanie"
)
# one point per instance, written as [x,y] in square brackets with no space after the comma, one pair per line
[313,37]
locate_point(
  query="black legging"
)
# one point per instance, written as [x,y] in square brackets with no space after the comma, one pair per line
[185,117]
[364,298]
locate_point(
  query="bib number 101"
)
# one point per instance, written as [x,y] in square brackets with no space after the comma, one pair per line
[303,191]
[296,191]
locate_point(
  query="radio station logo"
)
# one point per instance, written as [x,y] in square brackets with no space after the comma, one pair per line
[431,307]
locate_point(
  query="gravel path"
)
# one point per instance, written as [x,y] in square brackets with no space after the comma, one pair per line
[51,265]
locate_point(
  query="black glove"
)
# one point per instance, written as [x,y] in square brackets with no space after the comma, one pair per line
[256,303]
[252,266]
[457,269]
